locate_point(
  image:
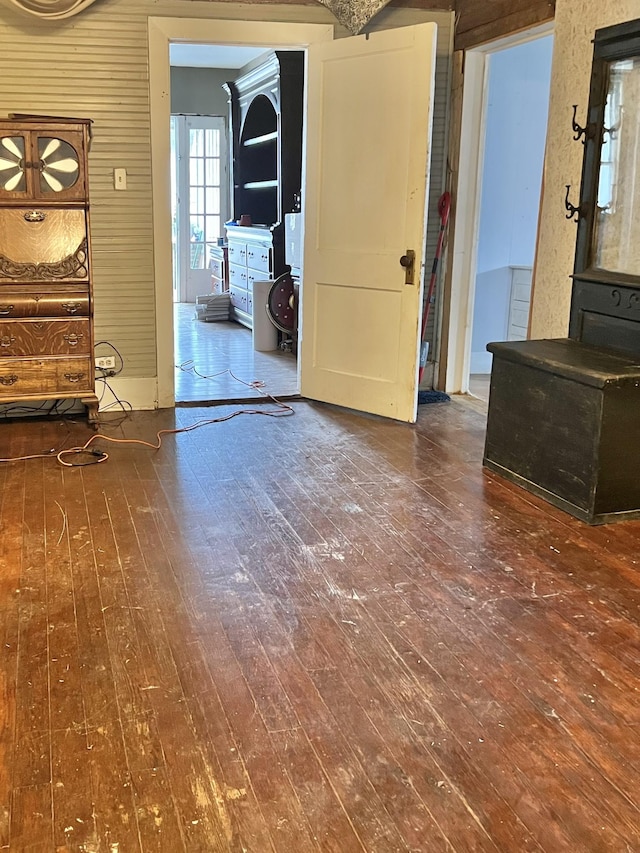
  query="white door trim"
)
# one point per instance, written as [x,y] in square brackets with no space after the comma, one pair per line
[161,32]
[469,193]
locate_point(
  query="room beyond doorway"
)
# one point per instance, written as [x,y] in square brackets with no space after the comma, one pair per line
[517,105]
[522,130]
[217,362]
[215,358]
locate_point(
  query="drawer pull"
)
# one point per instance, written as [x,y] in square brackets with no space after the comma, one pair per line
[6,309]
[8,380]
[7,340]
[35,216]
[73,340]
[71,307]
[73,377]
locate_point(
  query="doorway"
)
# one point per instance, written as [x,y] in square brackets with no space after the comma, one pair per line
[517,106]
[409,57]
[502,149]
[216,359]
[162,33]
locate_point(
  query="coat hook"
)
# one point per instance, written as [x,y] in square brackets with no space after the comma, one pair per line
[573,211]
[577,130]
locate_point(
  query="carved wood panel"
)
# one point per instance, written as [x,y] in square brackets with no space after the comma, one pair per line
[38,376]
[43,244]
[39,303]
[50,337]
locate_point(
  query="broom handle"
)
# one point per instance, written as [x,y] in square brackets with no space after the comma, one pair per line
[444,208]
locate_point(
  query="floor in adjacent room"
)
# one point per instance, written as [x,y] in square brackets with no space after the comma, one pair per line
[479,385]
[325,632]
[223,351]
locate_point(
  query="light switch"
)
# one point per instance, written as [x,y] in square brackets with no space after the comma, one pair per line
[120,179]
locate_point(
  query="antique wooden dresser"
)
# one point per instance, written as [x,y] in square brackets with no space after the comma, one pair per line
[46,305]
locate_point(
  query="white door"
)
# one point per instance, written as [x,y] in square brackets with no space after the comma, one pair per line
[201,200]
[368,146]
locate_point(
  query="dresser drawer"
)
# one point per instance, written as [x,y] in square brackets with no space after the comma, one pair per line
[237,275]
[237,253]
[44,337]
[239,298]
[217,285]
[40,376]
[256,275]
[42,303]
[259,258]
[216,265]
[43,244]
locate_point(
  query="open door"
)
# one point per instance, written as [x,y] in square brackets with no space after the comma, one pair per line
[368,144]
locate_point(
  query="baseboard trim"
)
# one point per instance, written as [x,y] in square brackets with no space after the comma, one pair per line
[141,394]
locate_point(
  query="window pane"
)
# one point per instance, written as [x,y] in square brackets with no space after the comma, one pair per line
[213,228]
[197,256]
[196,172]
[213,172]
[196,143]
[213,200]
[196,200]
[196,231]
[213,143]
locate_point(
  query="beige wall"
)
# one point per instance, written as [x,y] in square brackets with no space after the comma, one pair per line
[575,25]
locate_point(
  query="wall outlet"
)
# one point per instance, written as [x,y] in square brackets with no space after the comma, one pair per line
[120,179]
[106,362]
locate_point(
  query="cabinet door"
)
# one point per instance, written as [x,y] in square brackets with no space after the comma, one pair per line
[58,165]
[43,244]
[46,165]
[16,176]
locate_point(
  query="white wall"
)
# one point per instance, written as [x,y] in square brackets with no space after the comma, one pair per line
[516,126]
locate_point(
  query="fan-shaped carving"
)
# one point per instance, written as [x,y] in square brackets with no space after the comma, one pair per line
[12,166]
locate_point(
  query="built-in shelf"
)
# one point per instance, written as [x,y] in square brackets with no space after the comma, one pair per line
[260,140]
[260,185]
[266,105]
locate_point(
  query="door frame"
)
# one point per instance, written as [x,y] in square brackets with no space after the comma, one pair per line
[454,373]
[161,32]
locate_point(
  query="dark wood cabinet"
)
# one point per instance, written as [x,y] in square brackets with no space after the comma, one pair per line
[46,307]
[266,112]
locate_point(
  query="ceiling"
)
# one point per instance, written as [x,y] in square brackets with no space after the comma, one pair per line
[212,55]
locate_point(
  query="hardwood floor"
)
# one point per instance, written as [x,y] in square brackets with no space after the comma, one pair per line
[325,632]
[479,385]
[214,349]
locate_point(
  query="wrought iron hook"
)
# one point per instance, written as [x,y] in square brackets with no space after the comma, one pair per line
[573,211]
[578,131]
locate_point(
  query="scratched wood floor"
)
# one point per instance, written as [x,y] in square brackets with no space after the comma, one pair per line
[320,633]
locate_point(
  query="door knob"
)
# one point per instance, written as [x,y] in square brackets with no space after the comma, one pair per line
[408,262]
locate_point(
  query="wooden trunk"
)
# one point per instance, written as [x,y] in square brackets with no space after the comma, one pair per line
[564,423]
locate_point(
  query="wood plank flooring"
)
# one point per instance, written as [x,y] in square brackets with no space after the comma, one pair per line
[326,632]
[214,349]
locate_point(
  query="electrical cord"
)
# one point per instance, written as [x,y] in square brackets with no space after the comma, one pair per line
[284,411]
[188,366]
[98,456]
